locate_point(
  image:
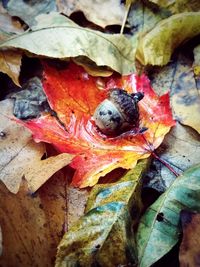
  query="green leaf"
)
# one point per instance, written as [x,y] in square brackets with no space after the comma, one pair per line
[104,235]
[157,46]
[56,36]
[159,229]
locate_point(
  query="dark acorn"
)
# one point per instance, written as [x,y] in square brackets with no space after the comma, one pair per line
[118,113]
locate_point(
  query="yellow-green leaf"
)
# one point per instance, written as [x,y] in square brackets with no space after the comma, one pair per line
[104,235]
[157,46]
[56,36]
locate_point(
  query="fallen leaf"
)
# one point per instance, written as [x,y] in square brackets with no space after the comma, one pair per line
[157,46]
[28,10]
[104,235]
[22,157]
[196,64]
[180,149]
[159,228]
[32,225]
[189,249]
[74,95]
[56,36]
[185,98]
[102,13]
[10,62]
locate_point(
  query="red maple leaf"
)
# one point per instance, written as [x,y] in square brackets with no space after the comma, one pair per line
[74,96]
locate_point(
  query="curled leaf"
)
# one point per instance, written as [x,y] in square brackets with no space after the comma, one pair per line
[157,46]
[74,95]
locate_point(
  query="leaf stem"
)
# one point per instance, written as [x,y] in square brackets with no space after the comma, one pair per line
[167,165]
[125,18]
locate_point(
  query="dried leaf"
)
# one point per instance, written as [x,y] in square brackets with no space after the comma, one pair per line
[189,249]
[74,95]
[22,157]
[32,225]
[28,10]
[100,12]
[10,62]
[104,235]
[56,36]
[157,46]
[1,242]
[159,228]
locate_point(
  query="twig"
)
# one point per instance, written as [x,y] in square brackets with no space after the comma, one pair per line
[125,17]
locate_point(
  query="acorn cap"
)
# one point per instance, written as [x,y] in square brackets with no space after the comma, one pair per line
[127,104]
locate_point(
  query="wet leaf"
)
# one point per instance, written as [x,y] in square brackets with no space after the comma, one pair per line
[28,10]
[104,236]
[32,225]
[157,46]
[189,249]
[196,64]
[100,12]
[22,157]
[56,36]
[74,95]
[159,229]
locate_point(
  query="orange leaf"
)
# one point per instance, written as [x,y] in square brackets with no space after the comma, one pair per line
[74,96]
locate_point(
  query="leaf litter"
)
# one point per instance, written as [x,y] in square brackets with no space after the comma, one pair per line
[186,133]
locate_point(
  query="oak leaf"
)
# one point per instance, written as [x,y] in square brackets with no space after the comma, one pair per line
[74,96]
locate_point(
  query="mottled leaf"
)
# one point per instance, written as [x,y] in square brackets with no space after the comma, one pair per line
[56,36]
[22,157]
[157,46]
[74,95]
[189,250]
[159,228]
[100,12]
[104,235]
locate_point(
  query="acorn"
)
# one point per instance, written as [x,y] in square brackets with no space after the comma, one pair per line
[118,113]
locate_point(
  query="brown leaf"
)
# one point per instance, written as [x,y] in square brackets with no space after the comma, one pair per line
[101,12]
[22,156]
[1,240]
[189,250]
[32,226]
[10,62]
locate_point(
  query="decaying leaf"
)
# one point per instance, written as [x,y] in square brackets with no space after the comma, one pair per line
[159,228]
[157,46]
[32,225]
[100,12]
[22,157]
[56,36]
[28,10]
[196,64]
[185,98]
[181,149]
[104,235]
[74,95]
[189,249]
